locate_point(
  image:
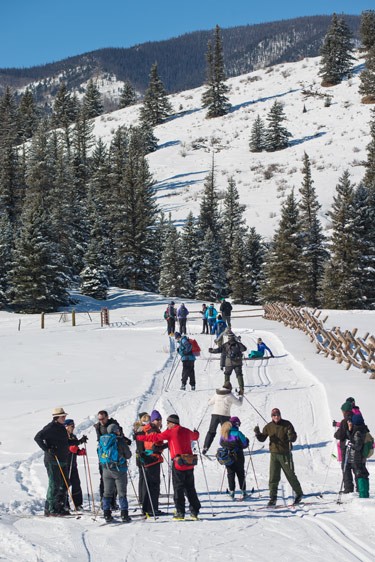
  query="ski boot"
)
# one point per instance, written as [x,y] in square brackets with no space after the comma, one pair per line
[108,515]
[183,387]
[272,501]
[125,516]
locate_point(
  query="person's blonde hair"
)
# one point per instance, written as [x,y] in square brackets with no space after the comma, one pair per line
[225,429]
[145,418]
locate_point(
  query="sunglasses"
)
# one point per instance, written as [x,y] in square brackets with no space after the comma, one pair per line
[276,415]
[101,419]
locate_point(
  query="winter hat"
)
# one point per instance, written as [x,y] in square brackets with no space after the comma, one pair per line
[155,415]
[357,419]
[69,422]
[172,302]
[275,412]
[228,385]
[230,335]
[351,400]
[346,407]
[113,428]
[141,414]
[177,335]
[57,412]
[219,317]
[234,420]
[173,418]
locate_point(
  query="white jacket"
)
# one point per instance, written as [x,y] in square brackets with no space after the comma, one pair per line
[222,402]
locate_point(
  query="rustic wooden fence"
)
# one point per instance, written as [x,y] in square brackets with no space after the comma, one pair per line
[343,346]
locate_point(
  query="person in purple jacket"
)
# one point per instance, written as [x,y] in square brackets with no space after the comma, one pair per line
[259,353]
[235,441]
[182,314]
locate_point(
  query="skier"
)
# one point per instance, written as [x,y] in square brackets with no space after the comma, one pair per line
[74,451]
[219,329]
[183,461]
[182,315]
[231,358]
[188,359]
[282,435]
[149,457]
[170,316]
[340,434]
[144,419]
[235,442]
[53,440]
[226,311]
[222,401]
[356,462]
[204,318]
[262,347]
[113,453]
[101,427]
[211,314]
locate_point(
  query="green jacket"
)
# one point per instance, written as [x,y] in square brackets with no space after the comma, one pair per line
[278,434]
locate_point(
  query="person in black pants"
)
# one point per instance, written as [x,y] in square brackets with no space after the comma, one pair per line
[74,451]
[53,440]
[235,442]
[205,329]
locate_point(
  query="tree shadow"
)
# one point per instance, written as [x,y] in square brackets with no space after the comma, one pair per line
[260,100]
[294,142]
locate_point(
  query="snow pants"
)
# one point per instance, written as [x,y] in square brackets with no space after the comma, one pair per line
[205,326]
[56,493]
[238,370]
[171,325]
[226,319]
[152,475]
[75,483]
[256,354]
[183,484]
[114,480]
[188,372]
[182,322]
[237,469]
[216,419]
[278,463]
[360,473]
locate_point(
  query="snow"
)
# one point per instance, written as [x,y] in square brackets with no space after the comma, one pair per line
[123,368]
[335,138]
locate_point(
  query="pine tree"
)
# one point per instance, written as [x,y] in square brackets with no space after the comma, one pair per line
[94,281]
[92,101]
[209,207]
[367,77]
[232,224]
[27,115]
[64,110]
[128,96]
[283,270]
[211,277]
[37,279]
[257,138]
[6,247]
[367,29]
[276,134]
[215,97]
[174,274]
[340,287]
[369,178]
[156,106]
[314,254]
[336,52]
[189,246]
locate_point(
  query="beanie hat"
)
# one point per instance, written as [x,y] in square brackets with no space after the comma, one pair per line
[351,400]
[228,385]
[346,407]
[275,412]
[113,428]
[172,302]
[69,422]
[177,335]
[57,412]
[234,420]
[155,415]
[141,414]
[173,418]
[357,419]
[230,335]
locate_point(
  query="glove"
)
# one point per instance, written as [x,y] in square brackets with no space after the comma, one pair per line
[195,430]
[290,435]
[210,350]
[221,368]
[73,449]
[256,430]
[82,453]
[127,441]
[84,439]
[334,423]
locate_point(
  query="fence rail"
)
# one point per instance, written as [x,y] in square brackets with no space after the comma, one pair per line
[343,346]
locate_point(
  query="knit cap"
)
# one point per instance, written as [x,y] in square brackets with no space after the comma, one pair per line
[155,415]
[173,418]
[346,407]
[357,419]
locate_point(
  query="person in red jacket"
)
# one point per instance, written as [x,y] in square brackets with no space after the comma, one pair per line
[183,461]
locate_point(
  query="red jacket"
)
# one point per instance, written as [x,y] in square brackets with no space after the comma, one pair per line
[179,442]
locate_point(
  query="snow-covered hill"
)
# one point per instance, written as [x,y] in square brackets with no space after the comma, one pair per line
[334,137]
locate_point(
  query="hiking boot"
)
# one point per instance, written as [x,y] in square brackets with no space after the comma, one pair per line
[183,387]
[231,494]
[194,515]
[297,499]
[204,451]
[244,495]
[241,392]
[178,516]
[108,515]
[193,387]
[125,516]
[272,501]
[159,513]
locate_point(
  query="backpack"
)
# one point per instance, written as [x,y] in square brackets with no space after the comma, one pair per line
[368,447]
[210,311]
[225,456]
[166,315]
[195,349]
[108,451]
[226,307]
[235,351]
[171,311]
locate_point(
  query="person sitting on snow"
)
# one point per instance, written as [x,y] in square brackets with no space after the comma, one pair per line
[259,353]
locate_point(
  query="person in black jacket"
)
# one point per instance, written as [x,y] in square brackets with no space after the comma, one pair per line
[53,440]
[226,312]
[231,358]
[356,463]
[74,451]
[104,421]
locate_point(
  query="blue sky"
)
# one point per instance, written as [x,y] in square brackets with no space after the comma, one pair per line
[40,31]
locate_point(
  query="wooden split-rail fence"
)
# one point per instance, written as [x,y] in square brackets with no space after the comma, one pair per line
[343,346]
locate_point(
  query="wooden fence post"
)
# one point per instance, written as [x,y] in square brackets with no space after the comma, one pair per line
[42,320]
[104,317]
[73,317]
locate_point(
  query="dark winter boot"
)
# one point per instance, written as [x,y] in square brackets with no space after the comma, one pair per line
[183,387]
[108,515]
[272,501]
[298,499]
[125,516]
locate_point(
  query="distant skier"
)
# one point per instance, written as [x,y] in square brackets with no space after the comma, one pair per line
[234,441]
[219,329]
[185,350]
[226,311]
[222,401]
[231,358]
[182,315]
[170,316]
[281,434]
[211,314]
[259,353]
[204,319]
[74,451]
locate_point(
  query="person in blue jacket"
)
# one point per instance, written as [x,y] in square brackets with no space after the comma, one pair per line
[211,314]
[262,347]
[219,328]
[185,350]
[235,441]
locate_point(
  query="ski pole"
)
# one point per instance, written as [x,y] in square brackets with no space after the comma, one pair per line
[173,374]
[169,480]
[257,411]
[89,473]
[165,482]
[252,464]
[87,484]
[202,418]
[222,480]
[135,493]
[205,478]
[327,471]
[66,483]
[148,491]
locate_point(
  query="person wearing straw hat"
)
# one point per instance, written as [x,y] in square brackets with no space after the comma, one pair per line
[53,440]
